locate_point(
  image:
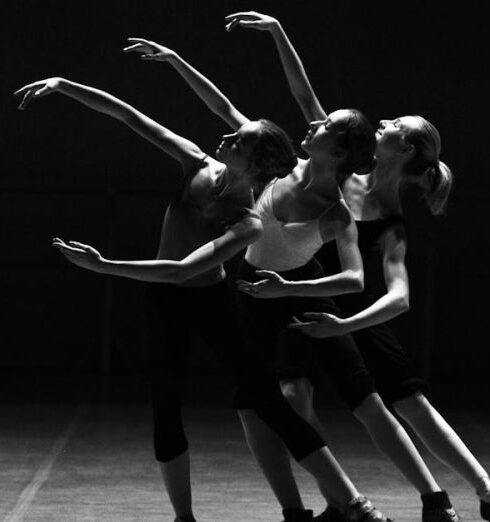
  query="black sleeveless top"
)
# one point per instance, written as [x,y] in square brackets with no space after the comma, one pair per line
[370,233]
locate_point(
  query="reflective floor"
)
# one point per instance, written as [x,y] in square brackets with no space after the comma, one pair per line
[66,454]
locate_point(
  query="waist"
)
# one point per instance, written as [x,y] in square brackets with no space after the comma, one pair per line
[310,270]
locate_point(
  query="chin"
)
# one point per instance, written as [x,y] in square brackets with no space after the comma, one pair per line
[305,145]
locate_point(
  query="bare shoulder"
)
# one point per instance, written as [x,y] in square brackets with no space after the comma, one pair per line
[339,214]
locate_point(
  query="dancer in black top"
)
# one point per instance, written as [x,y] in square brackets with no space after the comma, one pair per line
[408,150]
[208,223]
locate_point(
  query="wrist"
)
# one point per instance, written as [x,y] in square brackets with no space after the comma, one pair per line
[104,266]
[275,28]
[61,83]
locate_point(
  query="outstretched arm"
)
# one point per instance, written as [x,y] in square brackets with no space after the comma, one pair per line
[204,88]
[207,257]
[293,67]
[349,280]
[390,305]
[183,150]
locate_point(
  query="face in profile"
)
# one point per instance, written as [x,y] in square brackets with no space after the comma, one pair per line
[391,135]
[321,139]
[236,150]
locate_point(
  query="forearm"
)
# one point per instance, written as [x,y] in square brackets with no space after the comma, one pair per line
[152,271]
[346,282]
[387,307]
[95,99]
[205,89]
[295,72]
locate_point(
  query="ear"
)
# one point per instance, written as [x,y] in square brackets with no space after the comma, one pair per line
[339,154]
[407,149]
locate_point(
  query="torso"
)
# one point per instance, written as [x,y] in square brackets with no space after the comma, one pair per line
[373,222]
[296,223]
[201,212]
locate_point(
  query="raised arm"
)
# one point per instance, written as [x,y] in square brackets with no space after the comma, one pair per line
[349,280]
[183,150]
[207,257]
[293,67]
[204,88]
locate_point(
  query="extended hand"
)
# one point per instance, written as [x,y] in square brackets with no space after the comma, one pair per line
[37,90]
[273,285]
[149,50]
[79,254]
[321,325]
[250,19]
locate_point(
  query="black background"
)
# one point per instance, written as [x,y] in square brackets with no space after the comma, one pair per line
[70,172]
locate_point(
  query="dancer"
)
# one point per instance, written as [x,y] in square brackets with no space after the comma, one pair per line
[208,223]
[338,146]
[408,150]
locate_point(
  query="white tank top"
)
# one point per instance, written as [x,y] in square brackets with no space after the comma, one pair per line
[282,246]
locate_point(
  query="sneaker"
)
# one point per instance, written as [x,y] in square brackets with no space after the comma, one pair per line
[297,515]
[362,510]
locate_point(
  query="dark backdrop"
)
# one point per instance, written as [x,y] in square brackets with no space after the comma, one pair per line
[70,172]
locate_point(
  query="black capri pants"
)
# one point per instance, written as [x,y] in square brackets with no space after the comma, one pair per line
[295,354]
[173,315]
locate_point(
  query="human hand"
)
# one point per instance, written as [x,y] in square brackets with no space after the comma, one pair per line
[273,285]
[321,325]
[37,90]
[150,50]
[79,254]
[250,19]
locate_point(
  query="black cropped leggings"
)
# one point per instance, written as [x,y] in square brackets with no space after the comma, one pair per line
[176,313]
[295,354]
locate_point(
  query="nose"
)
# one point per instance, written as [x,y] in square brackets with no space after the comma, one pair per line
[315,124]
[383,123]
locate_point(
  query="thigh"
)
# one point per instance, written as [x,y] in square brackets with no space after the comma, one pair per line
[168,336]
[393,371]
[341,361]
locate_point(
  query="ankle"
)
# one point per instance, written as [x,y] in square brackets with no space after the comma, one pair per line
[483,489]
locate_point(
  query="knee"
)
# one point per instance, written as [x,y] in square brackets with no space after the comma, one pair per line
[411,407]
[372,408]
[299,394]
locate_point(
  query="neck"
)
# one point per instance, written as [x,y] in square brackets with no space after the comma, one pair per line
[236,179]
[320,176]
[384,185]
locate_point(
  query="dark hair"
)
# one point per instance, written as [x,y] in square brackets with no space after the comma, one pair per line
[273,153]
[425,168]
[358,140]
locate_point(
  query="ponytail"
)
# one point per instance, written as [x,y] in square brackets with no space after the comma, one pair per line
[425,168]
[440,181]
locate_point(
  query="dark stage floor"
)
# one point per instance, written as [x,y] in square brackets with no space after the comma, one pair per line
[66,455]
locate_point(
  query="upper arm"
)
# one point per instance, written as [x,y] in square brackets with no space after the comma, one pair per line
[223,248]
[232,116]
[394,248]
[310,107]
[182,149]
[345,231]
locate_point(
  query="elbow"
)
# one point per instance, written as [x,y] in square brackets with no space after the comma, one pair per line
[179,275]
[356,282]
[402,304]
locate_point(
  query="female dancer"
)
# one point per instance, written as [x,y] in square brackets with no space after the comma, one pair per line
[208,223]
[309,200]
[408,150]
